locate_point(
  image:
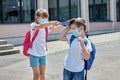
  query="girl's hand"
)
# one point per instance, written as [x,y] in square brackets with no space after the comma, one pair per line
[56,23]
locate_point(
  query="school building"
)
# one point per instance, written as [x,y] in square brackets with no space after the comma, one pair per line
[16,15]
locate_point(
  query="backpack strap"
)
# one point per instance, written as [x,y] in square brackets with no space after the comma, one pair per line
[86,65]
[86,70]
[46,30]
[33,38]
[86,41]
[71,39]
[35,35]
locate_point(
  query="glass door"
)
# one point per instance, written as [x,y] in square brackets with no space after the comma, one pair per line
[75,8]
[0,11]
[28,10]
[118,9]
[11,11]
[64,10]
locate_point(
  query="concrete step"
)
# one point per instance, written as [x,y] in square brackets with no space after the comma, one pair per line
[2,42]
[6,47]
[9,52]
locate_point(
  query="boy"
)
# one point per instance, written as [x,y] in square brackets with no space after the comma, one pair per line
[78,51]
[38,50]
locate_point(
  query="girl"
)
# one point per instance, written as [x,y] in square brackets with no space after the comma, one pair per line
[38,50]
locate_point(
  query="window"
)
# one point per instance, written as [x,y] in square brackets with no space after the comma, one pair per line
[53,11]
[0,11]
[75,8]
[99,10]
[63,9]
[106,10]
[28,10]
[91,10]
[11,11]
[17,11]
[118,10]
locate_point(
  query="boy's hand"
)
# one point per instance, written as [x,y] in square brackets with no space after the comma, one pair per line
[81,40]
[82,34]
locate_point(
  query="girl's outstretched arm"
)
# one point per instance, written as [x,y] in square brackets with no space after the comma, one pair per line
[46,24]
[58,27]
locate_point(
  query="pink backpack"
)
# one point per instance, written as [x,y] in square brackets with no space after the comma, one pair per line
[28,44]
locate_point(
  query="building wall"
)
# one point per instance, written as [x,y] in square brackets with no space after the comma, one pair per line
[17,30]
[9,31]
[97,26]
[118,26]
[13,30]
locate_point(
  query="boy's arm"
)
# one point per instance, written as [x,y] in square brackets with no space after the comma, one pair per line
[86,52]
[63,34]
[43,25]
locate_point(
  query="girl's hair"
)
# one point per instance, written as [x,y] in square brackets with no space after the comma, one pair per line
[80,22]
[42,13]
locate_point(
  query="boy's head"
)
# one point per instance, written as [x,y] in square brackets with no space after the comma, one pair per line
[41,14]
[72,23]
[80,24]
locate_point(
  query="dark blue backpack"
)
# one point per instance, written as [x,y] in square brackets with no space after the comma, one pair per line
[88,63]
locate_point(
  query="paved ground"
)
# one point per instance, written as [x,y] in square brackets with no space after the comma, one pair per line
[106,65]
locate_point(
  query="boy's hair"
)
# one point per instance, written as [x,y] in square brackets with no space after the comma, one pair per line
[80,22]
[42,13]
[72,21]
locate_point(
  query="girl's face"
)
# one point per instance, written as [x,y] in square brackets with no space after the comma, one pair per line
[38,18]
